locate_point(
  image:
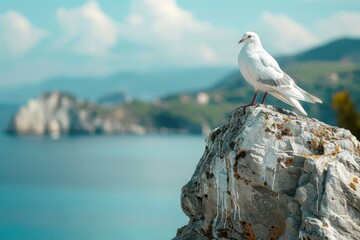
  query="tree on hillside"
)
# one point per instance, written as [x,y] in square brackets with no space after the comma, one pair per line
[347,116]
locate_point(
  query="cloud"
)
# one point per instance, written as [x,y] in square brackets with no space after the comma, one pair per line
[88,30]
[174,34]
[17,35]
[281,34]
[340,24]
[208,54]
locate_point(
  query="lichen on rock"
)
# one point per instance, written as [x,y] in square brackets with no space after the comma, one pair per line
[271,174]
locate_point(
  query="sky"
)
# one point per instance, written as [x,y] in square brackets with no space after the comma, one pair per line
[44,39]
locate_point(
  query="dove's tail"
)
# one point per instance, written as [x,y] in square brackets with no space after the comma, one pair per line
[307,96]
[289,100]
[282,98]
[298,105]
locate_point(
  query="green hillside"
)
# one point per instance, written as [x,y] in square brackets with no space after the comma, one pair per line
[185,112]
[321,79]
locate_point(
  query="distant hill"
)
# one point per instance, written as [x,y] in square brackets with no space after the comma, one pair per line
[144,86]
[340,50]
[344,50]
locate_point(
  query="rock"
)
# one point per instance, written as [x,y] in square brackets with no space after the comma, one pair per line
[271,174]
[58,113]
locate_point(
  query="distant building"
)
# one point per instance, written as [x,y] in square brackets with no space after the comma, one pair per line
[203,98]
[218,98]
[185,98]
[333,77]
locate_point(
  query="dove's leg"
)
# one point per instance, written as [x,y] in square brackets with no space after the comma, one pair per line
[263,100]
[252,101]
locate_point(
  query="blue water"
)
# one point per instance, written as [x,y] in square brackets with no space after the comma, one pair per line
[97,187]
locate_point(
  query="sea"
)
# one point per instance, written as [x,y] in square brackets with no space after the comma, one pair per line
[107,187]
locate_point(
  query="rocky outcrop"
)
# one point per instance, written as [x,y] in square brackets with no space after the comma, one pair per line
[58,113]
[271,174]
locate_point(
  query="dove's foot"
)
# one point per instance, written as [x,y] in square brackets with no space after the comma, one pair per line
[248,105]
[252,101]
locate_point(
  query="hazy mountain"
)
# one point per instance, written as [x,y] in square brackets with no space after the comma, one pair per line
[340,50]
[137,85]
[345,49]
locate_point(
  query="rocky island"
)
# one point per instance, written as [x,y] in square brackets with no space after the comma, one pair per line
[271,174]
[60,113]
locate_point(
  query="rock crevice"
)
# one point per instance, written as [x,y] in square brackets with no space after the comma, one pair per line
[271,174]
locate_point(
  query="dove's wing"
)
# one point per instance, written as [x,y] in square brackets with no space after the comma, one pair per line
[267,72]
[259,68]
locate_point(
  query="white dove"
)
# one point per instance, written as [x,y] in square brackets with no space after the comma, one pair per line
[262,71]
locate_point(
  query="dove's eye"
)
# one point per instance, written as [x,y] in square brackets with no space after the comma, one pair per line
[249,36]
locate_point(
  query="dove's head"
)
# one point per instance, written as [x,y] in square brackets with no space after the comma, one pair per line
[249,37]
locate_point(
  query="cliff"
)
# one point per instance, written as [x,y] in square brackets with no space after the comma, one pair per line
[271,174]
[60,113]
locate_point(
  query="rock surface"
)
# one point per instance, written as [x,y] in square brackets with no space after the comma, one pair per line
[271,174]
[58,113]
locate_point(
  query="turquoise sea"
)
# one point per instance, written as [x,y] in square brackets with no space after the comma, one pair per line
[94,187]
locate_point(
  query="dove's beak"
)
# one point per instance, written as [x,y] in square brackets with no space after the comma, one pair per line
[241,40]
